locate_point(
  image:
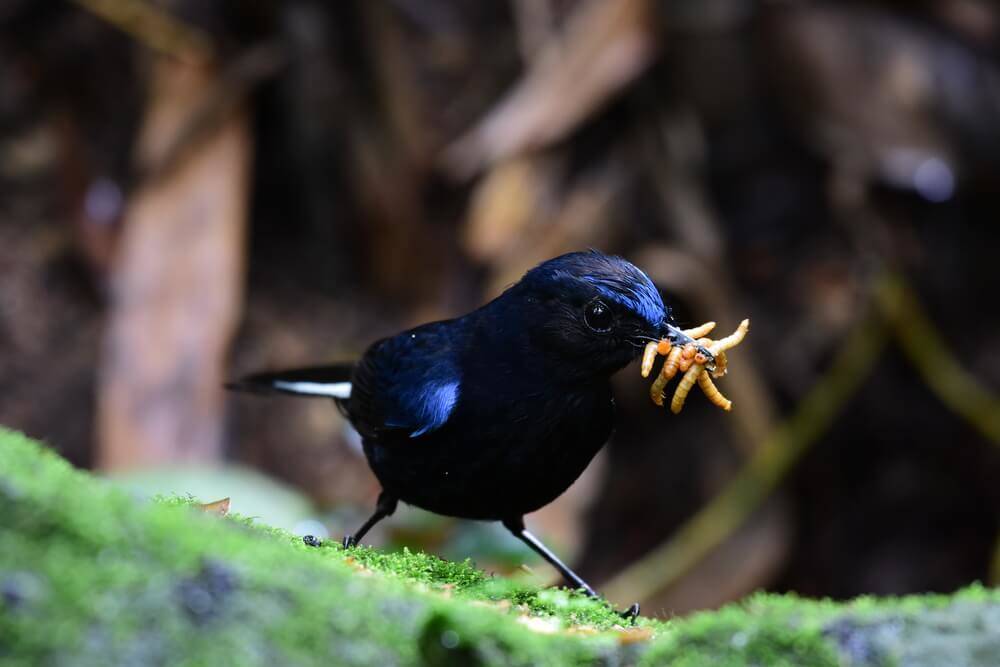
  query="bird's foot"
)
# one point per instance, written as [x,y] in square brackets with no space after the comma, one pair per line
[631,613]
[349,541]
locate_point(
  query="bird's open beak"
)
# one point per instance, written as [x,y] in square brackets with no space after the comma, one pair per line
[676,336]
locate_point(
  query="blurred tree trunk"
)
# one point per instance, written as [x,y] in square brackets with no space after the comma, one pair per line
[176,284]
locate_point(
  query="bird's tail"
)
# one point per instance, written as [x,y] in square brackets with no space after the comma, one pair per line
[322,381]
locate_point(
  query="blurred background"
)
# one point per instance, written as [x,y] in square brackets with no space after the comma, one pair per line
[195,189]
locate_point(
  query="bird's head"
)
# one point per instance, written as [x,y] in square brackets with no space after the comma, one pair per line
[597,311]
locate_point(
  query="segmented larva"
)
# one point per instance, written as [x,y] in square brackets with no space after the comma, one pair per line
[688,353]
[712,392]
[662,347]
[701,330]
[684,388]
[648,357]
[731,340]
[667,372]
[692,362]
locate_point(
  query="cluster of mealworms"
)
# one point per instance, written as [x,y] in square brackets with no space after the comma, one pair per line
[688,359]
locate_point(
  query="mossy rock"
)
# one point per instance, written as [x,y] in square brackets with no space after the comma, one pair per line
[91,575]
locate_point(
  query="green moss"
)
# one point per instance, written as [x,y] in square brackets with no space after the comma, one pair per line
[91,575]
[917,631]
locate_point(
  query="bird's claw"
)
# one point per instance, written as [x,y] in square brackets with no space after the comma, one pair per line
[349,541]
[631,613]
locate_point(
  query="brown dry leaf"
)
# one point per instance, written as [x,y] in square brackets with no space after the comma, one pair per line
[579,220]
[505,202]
[603,47]
[218,507]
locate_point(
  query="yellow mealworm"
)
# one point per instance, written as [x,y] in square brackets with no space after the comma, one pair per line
[656,390]
[690,360]
[684,388]
[669,369]
[667,373]
[700,331]
[713,393]
[648,357]
[698,357]
[732,340]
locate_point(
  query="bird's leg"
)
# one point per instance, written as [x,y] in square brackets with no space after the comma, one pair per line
[516,527]
[385,506]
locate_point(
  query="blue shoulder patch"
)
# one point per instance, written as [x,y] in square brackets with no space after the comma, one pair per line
[427,407]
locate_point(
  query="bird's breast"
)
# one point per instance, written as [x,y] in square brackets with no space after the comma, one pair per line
[520,432]
[501,457]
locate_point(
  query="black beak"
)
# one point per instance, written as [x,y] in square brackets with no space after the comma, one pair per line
[676,336]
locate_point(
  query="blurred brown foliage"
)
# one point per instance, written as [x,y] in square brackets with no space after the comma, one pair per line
[309,176]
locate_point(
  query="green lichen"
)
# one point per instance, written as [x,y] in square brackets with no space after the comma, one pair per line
[92,575]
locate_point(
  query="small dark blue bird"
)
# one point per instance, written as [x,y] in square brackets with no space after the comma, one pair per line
[494,414]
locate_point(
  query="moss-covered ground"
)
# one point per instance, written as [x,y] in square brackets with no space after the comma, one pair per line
[91,575]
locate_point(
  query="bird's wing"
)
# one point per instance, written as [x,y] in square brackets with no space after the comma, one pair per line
[409,383]
[326,381]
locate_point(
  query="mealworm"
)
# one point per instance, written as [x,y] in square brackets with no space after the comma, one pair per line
[731,340]
[684,388]
[648,357]
[667,372]
[691,361]
[700,331]
[713,393]
[700,358]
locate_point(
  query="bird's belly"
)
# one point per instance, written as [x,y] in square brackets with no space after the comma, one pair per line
[507,471]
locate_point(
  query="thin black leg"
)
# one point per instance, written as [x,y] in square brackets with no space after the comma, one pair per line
[385,506]
[516,527]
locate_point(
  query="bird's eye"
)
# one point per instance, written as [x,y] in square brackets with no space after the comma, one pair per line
[598,316]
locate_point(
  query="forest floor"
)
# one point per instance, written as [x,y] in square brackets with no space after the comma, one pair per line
[92,575]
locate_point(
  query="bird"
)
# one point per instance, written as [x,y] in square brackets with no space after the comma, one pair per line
[494,414]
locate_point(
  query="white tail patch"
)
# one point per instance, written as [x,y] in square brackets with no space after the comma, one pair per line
[331,389]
